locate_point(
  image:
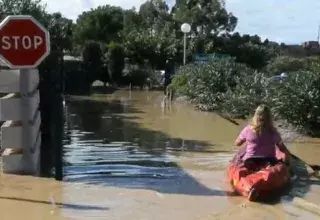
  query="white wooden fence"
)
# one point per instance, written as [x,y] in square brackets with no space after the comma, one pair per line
[20,132]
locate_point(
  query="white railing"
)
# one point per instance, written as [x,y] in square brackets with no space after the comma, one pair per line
[20,132]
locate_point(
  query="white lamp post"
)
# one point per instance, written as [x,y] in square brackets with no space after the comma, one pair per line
[185,28]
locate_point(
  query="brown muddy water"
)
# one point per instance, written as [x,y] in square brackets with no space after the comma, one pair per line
[130,155]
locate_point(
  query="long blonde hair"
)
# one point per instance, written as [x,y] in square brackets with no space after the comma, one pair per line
[262,120]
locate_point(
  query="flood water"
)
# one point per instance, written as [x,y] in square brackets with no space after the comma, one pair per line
[131,155]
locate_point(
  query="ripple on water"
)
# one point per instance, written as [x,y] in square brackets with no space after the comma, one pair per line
[124,164]
[91,161]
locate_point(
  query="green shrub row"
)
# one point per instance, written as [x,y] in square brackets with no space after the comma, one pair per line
[235,90]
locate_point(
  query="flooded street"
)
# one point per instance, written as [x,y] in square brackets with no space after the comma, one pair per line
[130,155]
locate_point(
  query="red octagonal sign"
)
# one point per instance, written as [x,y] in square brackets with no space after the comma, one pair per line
[24,42]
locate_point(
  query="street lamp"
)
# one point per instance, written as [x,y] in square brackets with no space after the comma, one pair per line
[185,28]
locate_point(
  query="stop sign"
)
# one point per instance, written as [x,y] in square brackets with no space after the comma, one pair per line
[24,42]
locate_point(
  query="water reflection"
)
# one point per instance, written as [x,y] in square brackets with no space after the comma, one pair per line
[104,145]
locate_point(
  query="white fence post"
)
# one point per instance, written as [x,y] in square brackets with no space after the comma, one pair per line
[20,132]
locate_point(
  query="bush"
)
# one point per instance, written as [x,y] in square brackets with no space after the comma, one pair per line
[286,64]
[251,90]
[313,64]
[138,76]
[179,83]
[205,83]
[235,90]
[254,55]
[297,99]
[115,61]
[75,77]
[92,60]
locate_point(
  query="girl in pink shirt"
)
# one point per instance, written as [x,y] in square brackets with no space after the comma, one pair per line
[261,138]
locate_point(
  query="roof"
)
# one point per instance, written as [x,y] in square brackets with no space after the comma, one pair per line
[68,57]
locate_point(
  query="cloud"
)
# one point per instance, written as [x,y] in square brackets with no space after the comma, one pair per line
[290,21]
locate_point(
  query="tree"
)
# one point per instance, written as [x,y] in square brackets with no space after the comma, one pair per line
[92,60]
[255,55]
[140,45]
[287,64]
[102,24]
[154,12]
[131,20]
[115,61]
[154,35]
[60,29]
[25,7]
[207,17]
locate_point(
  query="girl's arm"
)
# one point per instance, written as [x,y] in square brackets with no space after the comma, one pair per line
[239,142]
[283,147]
[241,139]
[280,144]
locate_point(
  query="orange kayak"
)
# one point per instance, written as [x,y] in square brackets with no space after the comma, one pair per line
[260,182]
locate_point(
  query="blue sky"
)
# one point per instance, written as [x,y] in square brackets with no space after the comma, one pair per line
[289,21]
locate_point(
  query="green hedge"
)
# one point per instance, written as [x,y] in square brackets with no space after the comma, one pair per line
[235,90]
[297,99]
[292,64]
[205,83]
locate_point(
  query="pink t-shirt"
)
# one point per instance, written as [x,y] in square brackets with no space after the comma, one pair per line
[259,146]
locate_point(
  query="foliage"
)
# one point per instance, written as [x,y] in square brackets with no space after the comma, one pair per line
[154,12]
[60,29]
[24,7]
[297,99]
[139,75]
[153,32]
[285,64]
[247,49]
[292,64]
[207,82]
[102,24]
[75,76]
[115,59]
[254,55]
[250,91]
[92,60]
[179,82]
[155,47]
[235,90]
[206,17]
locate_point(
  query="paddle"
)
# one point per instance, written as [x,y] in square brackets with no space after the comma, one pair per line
[314,168]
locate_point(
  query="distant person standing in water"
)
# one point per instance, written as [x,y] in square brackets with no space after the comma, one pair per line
[169,71]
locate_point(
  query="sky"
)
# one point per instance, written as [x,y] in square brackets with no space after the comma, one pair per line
[288,21]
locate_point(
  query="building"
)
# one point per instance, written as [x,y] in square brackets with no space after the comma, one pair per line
[310,45]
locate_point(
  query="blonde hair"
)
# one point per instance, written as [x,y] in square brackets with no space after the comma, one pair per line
[262,120]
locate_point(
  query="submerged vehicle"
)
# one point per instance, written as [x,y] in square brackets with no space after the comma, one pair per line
[261,181]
